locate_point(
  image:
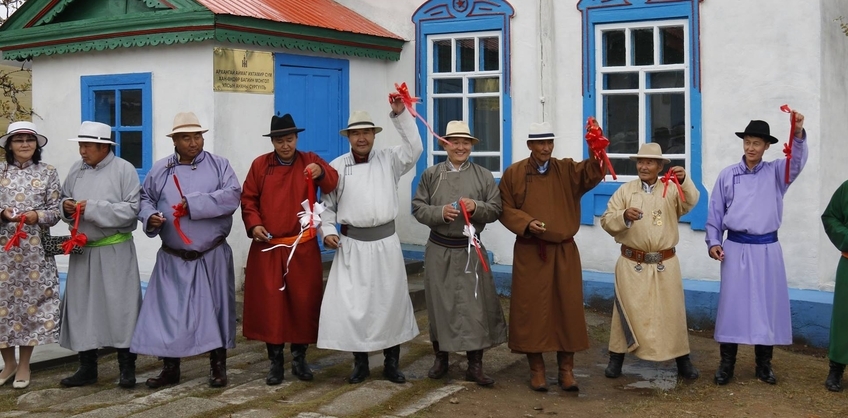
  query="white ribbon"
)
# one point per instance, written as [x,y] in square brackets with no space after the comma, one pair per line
[470,232]
[307,218]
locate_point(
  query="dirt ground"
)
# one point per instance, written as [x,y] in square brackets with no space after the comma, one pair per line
[649,389]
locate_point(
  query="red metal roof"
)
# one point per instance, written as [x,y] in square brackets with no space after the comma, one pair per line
[320,13]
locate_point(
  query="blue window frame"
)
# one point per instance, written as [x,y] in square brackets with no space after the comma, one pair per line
[124,102]
[642,81]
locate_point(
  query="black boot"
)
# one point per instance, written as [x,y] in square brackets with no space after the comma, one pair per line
[275,354]
[727,364]
[685,368]
[126,365]
[299,366]
[440,365]
[613,369]
[834,378]
[86,374]
[360,368]
[170,374]
[763,358]
[218,367]
[390,365]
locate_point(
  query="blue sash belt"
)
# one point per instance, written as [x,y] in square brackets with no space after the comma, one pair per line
[744,238]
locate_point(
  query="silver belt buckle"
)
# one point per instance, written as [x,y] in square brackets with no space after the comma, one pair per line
[653,258]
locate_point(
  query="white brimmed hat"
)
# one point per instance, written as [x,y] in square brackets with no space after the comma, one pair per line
[186,122]
[23,127]
[459,129]
[540,132]
[360,119]
[96,132]
[650,150]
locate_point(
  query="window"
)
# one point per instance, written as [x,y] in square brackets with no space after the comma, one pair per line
[123,101]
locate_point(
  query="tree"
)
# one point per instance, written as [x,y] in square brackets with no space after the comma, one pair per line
[8,7]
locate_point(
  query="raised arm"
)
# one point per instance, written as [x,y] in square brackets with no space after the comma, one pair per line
[221,202]
[405,156]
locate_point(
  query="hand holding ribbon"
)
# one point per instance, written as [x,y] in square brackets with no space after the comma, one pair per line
[78,239]
[409,101]
[179,211]
[598,144]
[15,240]
[787,147]
[671,177]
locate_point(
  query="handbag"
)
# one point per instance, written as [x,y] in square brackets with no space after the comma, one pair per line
[53,244]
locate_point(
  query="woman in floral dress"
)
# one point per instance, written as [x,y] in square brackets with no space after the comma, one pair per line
[29,283]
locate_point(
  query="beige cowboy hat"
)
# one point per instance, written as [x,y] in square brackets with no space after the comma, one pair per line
[459,129]
[186,122]
[650,150]
[99,133]
[360,119]
[541,132]
[23,127]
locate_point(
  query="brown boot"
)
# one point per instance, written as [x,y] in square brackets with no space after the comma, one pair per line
[566,376]
[218,367]
[440,365]
[475,369]
[170,374]
[537,372]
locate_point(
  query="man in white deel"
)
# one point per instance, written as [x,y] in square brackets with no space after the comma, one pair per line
[366,304]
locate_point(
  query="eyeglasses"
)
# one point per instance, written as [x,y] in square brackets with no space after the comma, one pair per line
[23,141]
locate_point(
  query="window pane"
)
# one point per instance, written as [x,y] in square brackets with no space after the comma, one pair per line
[666,121]
[464,55]
[674,162]
[624,166]
[131,147]
[489,54]
[104,107]
[484,85]
[447,85]
[485,122]
[444,111]
[643,46]
[617,81]
[621,123]
[614,48]
[131,107]
[672,51]
[666,79]
[442,56]
[491,163]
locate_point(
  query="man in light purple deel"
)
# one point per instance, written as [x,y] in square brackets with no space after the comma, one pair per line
[747,202]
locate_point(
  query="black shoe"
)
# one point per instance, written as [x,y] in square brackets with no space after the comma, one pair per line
[728,362]
[86,374]
[277,372]
[126,365]
[763,355]
[360,368]
[218,367]
[299,366]
[390,365]
[170,374]
[686,369]
[613,369]
[834,378]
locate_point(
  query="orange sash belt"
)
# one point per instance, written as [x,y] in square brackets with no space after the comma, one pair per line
[309,234]
[845,254]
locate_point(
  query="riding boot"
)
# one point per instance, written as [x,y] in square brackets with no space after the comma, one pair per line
[440,364]
[537,372]
[299,366]
[390,365]
[613,369]
[834,378]
[475,369]
[763,355]
[724,373]
[86,374]
[126,365]
[277,371]
[566,381]
[218,367]
[170,374]
[361,371]
[686,369]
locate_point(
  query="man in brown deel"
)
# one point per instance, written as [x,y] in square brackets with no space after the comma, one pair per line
[541,205]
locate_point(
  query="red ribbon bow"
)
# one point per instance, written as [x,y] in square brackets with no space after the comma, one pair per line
[409,101]
[179,212]
[670,177]
[787,147]
[15,240]
[476,243]
[598,144]
[78,239]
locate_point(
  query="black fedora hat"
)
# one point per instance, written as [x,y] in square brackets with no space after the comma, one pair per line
[759,129]
[283,126]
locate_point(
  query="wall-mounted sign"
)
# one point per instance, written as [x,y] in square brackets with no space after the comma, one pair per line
[243,71]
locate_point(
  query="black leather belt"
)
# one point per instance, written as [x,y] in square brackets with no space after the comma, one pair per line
[191,255]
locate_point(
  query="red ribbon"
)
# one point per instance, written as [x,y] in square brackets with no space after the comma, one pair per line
[180,211]
[787,148]
[78,239]
[409,101]
[310,186]
[15,240]
[473,239]
[670,177]
[598,144]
